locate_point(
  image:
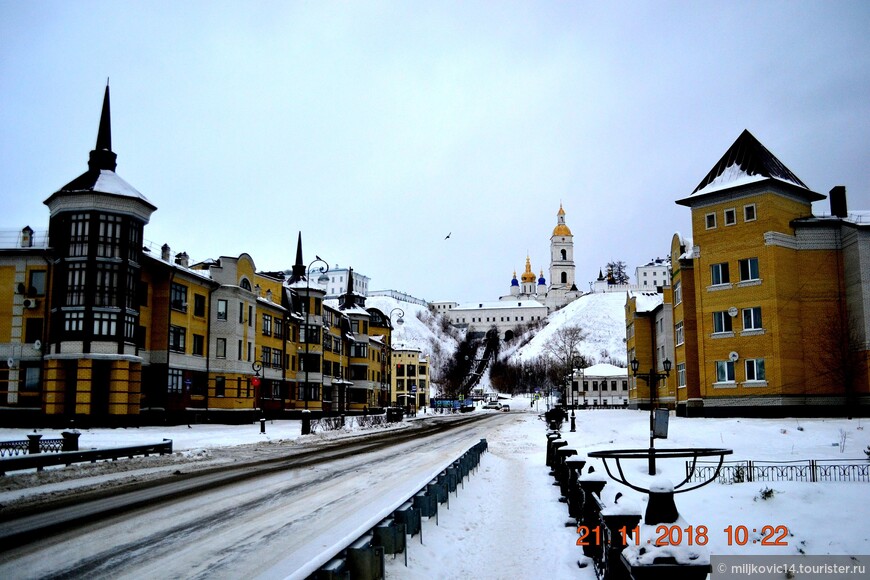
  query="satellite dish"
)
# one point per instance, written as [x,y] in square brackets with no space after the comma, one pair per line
[733,356]
[732,312]
[37,344]
[10,361]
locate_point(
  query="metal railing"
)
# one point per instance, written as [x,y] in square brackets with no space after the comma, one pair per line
[10,448]
[40,461]
[808,470]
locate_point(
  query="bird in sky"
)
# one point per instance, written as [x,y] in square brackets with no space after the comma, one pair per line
[448,235]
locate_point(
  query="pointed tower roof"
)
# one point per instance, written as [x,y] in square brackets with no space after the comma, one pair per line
[298,273]
[561,228]
[100,176]
[528,275]
[748,162]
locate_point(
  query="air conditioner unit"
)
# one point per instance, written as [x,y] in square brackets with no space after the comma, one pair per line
[30,303]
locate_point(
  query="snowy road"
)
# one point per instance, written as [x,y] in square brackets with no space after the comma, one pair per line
[269,527]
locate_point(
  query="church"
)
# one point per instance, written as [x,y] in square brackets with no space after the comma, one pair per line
[562,288]
[530,299]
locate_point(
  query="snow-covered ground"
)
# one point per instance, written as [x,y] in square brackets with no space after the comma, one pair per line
[506,521]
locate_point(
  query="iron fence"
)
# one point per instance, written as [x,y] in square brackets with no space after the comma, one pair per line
[11,448]
[808,470]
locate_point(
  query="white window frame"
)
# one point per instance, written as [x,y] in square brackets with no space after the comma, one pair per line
[753,365]
[710,217]
[754,212]
[728,367]
[731,211]
[754,316]
[724,320]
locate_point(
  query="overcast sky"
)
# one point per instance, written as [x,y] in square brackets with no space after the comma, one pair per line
[377,128]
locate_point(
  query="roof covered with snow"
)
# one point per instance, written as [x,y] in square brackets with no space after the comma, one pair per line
[747,161]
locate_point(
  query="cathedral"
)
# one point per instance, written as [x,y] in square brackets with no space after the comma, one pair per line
[562,288]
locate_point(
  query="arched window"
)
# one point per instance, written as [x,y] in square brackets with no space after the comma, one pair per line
[564,277]
[564,256]
[245,284]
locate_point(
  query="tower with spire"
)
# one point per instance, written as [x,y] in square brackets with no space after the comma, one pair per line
[96,228]
[561,255]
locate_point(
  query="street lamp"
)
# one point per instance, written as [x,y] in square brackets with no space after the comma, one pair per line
[652,378]
[400,320]
[322,279]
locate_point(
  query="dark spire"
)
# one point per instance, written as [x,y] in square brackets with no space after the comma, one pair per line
[349,301]
[752,158]
[102,156]
[298,273]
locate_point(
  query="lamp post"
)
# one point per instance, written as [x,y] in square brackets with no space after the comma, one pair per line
[574,363]
[652,378]
[322,279]
[400,320]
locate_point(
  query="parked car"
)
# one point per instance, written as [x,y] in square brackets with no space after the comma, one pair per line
[492,405]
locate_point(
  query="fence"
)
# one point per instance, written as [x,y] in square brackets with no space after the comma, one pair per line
[41,460]
[808,470]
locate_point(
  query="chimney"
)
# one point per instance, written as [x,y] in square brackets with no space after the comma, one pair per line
[27,237]
[182,259]
[164,253]
[838,201]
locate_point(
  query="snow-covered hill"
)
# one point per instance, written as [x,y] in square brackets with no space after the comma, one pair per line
[602,318]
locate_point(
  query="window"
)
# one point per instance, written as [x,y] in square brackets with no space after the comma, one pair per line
[678,293]
[681,374]
[752,318]
[198,344]
[241,312]
[106,287]
[719,273]
[749,213]
[730,217]
[78,234]
[267,325]
[721,322]
[245,284]
[105,324]
[586,386]
[73,321]
[279,328]
[75,285]
[594,385]
[32,378]
[748,269]
[176,338]
[32,330]
[710,220]
[220,386]
[178,297]
[221,309]
[265,356]
[198,305]
[250,315]
[37,283]
[678,333]
[175,384]
[276,358]
[109,239]
[724,371]
[221,348]
[755,369]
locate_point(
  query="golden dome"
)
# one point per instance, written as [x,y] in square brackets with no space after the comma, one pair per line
[528,275]
[561,229]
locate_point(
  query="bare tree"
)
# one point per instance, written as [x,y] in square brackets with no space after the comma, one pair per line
[564,351]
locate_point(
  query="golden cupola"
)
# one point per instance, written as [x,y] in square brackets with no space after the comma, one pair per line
[561,228]
[528,275]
